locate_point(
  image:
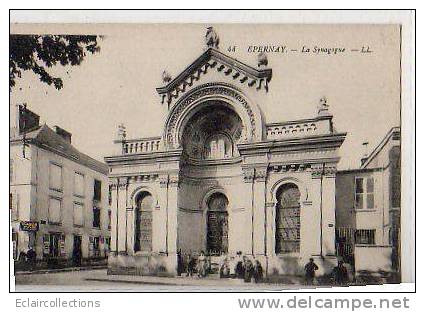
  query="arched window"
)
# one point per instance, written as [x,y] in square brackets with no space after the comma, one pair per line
[288,219]
[217,224]
[143,230]
[218,146]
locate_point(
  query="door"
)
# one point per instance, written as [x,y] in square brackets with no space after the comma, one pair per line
[217,224]
[217,233]
[143,238]
[77,252]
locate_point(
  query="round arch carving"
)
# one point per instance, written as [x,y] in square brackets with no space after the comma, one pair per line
[193,101]
[204,201]
[142,189]
[301,186]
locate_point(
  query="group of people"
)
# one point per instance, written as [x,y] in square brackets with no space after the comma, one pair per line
[28,258]
[339,273]
[229,267]
[241,267]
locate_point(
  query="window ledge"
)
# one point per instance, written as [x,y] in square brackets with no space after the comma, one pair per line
[55,189]
[366,210]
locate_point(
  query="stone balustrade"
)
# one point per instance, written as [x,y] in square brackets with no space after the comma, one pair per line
[299,128]
[138,146]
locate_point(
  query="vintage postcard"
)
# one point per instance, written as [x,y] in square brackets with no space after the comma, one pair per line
[197,156]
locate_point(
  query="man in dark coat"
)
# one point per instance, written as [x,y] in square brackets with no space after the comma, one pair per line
[248,270]
[258,271]
[340,274]
[310,271]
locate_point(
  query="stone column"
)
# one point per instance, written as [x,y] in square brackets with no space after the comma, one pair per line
[324,178]
[122,215]
[173,185]
[248,175]
[259,211]
[160,232]
[270,227]
[114,224]
[328,198]
[130,228]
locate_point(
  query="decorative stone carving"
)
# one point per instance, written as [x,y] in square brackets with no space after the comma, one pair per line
[211,38]
[163,181]
[173,181]
[327,170]
[166,77]
[261,174]
[123,183]
[147,177]
[262,60]
[323,107]
[248,175]
[121,133]
[290,167]
[202,91]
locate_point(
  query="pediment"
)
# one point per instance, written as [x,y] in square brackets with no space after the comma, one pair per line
[213,59]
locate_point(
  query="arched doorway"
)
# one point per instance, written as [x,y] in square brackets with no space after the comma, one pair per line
[143,219]
[287,235]
[217,224]
[212,132]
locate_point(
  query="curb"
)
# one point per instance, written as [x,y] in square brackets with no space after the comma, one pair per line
[60,270]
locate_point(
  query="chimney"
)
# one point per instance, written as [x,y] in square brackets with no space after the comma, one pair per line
[365,152]
[63,133]
[27,120]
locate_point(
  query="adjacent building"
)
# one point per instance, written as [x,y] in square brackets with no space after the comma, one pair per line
[59,197]
[220,178]
[368,209]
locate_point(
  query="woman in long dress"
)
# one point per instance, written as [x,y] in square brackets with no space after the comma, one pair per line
[202,264]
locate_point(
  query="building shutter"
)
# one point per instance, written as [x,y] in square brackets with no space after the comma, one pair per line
[62,246]
[46,244]
[91,246]
[54,210]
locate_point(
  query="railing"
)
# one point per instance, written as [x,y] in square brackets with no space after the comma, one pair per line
[146,145]
[299,128]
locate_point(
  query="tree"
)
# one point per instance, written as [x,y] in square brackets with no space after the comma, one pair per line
[38,52]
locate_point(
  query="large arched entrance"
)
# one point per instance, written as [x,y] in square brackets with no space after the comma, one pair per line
[217,224]
[288,210]
[212,132]
[143,219]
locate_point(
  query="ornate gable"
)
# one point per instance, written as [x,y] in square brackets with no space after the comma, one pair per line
[213,59]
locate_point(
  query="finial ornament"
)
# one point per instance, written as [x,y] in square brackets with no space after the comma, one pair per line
[323,107]
[262,60]
[122,133]
[166,77]
[211,38]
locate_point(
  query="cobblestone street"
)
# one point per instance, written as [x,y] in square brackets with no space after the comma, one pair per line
[98,280]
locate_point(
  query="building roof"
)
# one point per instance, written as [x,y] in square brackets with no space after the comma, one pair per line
[393,133]
[46,138]
[223,63]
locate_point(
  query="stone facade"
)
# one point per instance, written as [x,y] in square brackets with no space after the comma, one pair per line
[52,188]
[368,202]
[219,167]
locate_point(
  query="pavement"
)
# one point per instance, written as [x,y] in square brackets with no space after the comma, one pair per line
[68,269]
[98,281]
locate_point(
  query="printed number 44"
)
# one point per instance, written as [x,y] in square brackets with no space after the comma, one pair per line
[231,49]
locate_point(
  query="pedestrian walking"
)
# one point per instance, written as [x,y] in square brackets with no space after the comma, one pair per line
[248,270]
[202,265]
[340,274]
[310,271]
[258,271]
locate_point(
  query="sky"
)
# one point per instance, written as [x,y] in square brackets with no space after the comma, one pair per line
[117,85]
